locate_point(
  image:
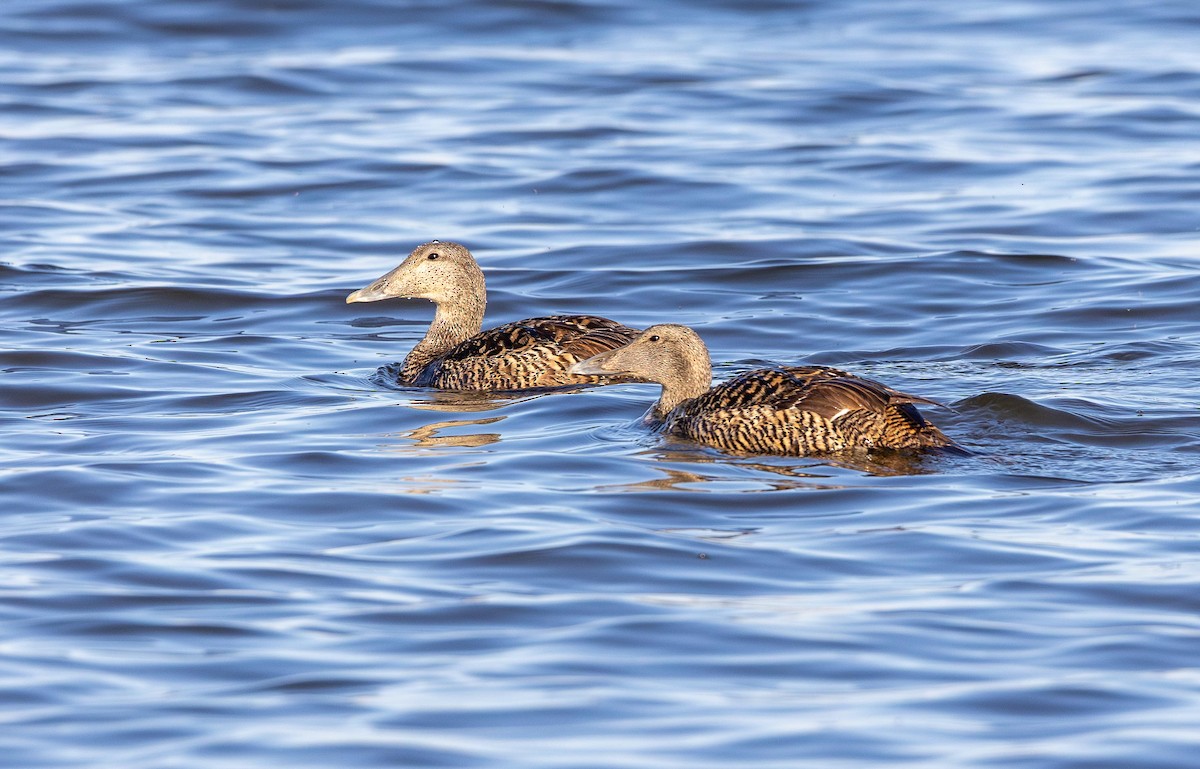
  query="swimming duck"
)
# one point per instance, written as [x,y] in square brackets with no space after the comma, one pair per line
[788,410]
[456,355]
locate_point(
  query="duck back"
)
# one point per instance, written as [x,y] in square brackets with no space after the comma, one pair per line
[525,354]
[801,410]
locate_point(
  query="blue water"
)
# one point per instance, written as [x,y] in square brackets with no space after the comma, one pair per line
[226,541]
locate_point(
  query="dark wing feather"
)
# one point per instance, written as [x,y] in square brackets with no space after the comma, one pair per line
[819,389]
[587,336]
[496,342]
[829,391]
[801,410]
[578,335]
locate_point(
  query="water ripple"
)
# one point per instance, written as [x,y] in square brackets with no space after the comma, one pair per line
[230,539]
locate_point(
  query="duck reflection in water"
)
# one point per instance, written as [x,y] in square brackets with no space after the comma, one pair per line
[430,436]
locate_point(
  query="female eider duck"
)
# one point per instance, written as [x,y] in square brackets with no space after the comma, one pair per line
[788,410]
[456,355]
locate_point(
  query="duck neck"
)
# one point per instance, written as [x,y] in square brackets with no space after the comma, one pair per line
[452,324]
[689,381]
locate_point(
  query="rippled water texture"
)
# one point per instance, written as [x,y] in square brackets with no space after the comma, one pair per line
[228,541]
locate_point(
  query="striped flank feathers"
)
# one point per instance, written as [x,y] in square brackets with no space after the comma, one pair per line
[785,410]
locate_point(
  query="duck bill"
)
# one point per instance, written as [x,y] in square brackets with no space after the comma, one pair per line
[364,295]
[594,366]
[376,291]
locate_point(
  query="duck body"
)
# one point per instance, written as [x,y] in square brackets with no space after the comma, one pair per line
[455,354]
[527,354]
[784,410]
[803,410]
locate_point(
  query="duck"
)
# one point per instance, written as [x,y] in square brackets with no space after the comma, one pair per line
[455,354]
[781,410]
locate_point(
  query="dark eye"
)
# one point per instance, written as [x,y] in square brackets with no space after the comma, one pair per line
[654,337]
[434,255]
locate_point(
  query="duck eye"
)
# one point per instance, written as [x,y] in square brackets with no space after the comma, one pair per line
[434,255]
[654,338]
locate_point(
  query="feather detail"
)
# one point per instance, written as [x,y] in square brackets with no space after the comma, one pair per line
[455,355]
[527,354]
[788,410]
[804,410]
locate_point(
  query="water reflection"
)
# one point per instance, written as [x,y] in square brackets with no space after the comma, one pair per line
[429,436]
[673,480]
[711,535]
[890,463]
[727,476]
[467,402]
[433,436]
[705,470]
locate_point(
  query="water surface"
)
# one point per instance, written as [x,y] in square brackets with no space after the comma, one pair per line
[228,541]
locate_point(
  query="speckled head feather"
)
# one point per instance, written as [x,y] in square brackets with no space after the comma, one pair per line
[447,275]
[668,354]
[443,273]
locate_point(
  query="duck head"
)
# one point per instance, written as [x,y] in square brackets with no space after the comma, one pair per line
[670,355]
[441,272]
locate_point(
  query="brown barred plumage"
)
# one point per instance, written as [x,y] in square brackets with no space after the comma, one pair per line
[456,355]
[531,353]
[788,410]
[803,410]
